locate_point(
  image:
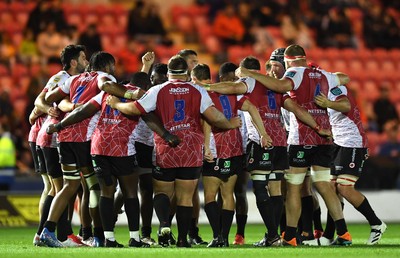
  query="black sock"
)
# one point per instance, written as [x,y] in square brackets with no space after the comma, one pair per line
[307,206]
[317,219]
[290,233]
[183,217]
[366,210]
[98,232]
[277,202]
[193,229]
[213,215]
[45,212]
[50,225]
[329,231]
[227,218]
[161,206]
[171,217]
[107,218]
[146,231]
[132,212]
[69,228]
[341,226]
[267,214]
[80,230]
[282,221]
[87,233]
[241,221]
[62,226]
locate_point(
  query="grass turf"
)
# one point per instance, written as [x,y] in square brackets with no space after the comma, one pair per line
[17,242]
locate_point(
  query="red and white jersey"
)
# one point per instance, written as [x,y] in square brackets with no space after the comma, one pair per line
[307,83]
[347,128]
[44,139]
[113,135]
[227,141]
[33,132]
[81,88]
[179,105]
[268,104]
[143,133]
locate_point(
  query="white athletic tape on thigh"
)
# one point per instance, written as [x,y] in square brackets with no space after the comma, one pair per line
[346,180]
[295,179]
[321,175]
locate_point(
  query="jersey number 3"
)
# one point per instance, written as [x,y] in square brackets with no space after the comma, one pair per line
[179,110]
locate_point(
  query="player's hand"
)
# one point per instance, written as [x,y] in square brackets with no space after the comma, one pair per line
[112,101]
[148,58]
[53,111]
[208,155]
[236,122]
[171,139]
[325,133]
[321,100]
[265,141]
[51,129]
[242,72]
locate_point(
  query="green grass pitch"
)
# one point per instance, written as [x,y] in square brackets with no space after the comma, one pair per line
[17,242]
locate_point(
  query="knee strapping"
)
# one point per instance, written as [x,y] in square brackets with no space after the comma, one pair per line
[94,198]
[321,175]
[346,180]
[94,187]
[261,191]
[91,180]
[295,179]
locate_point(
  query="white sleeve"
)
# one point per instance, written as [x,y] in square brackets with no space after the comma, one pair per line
[206,101]
[336,92]
[295,74]
[66,86]
[333,79]
[108,76]
[149,99]
[98,98]
[250,83]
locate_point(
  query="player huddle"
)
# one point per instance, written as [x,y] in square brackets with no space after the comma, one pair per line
[288,130]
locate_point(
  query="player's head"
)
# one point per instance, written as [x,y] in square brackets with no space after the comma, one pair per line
[177,67]
[227,72]
[295,56]
[102,61]
[277,63]
[190,56]
[159,74]
[74,56]
[141,80]
[251,63]
[201,72]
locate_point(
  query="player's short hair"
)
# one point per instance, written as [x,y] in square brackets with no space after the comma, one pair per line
[100,60]
[201,72]
[141,79]
[177,65]
[250,62]
[69,53]
[160,68]
[295,50]
[186,52]
[226,68]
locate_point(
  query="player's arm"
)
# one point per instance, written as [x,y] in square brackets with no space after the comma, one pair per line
[35,113]
[155,124]
[55,95]
[78,115]
[277,85]
[342,104]
[207,139]
[128,108]
[305,117]
[66,105]
[226,88]
[343,78]
[214,117]
[113,88]
[147,61]
[266,140]
[43,106]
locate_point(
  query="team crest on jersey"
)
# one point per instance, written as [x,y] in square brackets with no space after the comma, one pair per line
[227,164]
[300,154]
[336,91]
[290,74]
[265,156]
[56,79]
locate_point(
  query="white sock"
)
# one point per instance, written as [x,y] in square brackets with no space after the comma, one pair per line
[134,235]
[109,235]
